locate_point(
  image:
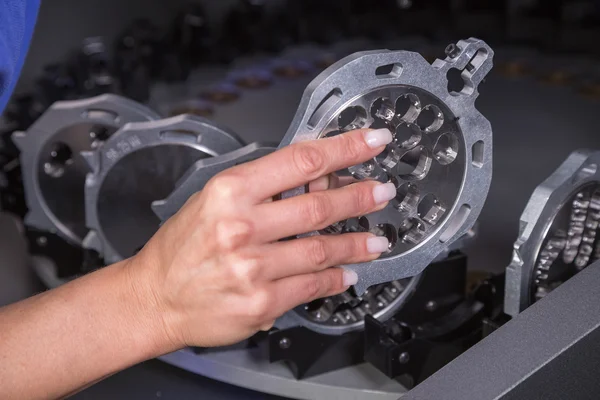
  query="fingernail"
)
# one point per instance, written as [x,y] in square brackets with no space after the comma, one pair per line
[350,278]
[378,137]
[377,244]
[384,192]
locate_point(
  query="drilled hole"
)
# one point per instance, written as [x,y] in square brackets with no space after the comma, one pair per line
[388,231]
[446,148]
[477,154]
[411,231]
[356,225]
[352,118]
[379,124]
[415,164]
[430,209]
[108,116]
[98,135]
[180,135]
[407,197]
[407,135]
[430,119]
[388,158]
[59,158]
[383,108]
[389,71]
[408,107]
[363,171]
[455,81]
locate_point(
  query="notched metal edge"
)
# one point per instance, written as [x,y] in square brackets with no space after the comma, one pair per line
[146,134]
[60,115]
[323,85]
[474,59]
[541,208]
[202,171]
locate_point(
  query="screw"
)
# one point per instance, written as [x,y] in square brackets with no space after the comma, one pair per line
[42,241]
[285,343]
[431,305]
[403,358]
[452,50]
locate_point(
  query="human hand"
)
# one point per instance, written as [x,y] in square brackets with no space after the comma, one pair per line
[216,272]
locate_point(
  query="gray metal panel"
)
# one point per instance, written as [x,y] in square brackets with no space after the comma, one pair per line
[246,368]
[549,351]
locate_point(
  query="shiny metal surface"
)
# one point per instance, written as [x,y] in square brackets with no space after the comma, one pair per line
[53,170]
[139,164]
[346,312]
[201,172]
[394,89]
[557,234]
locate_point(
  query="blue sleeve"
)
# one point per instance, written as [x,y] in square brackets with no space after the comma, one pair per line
[17,20]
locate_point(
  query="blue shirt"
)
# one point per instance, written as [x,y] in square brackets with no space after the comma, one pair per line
[17,19]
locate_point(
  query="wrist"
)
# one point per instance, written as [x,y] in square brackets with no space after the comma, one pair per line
[147,308]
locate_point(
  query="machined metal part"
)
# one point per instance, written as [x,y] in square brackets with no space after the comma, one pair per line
[558,229]
[334,315]
[53,171]
[345,312]
[139,164]
[440,159]
[201,172]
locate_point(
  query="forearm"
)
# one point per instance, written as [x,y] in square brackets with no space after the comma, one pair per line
[62,340]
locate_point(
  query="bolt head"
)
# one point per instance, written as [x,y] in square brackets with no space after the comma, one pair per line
[404,357]
[431,305]
[285,343]
[452,50]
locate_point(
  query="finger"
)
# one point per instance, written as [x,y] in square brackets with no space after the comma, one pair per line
[315,211]
[313,254]
[320,184]
[291,292]
[300,163]
[331,181]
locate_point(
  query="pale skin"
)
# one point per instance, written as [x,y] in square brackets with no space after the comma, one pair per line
[214,274]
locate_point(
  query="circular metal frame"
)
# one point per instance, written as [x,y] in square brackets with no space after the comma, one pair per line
[201,172]
[191,132]
[577,172]
[368,71]
[106,111]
